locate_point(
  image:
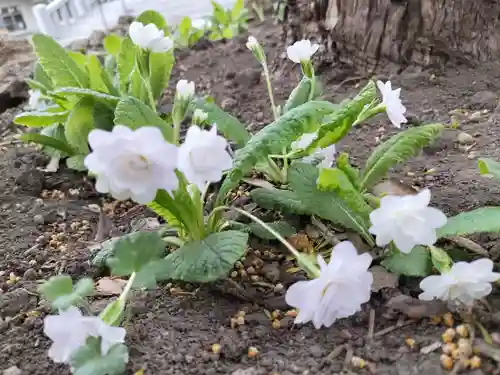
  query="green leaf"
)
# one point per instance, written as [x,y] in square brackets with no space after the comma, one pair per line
[95,73]
[125,63]
[227,124]
[481,220]
[112,44]
[352,173]
[282,227]
[79,58]
[87,360]
[335,126]
[417,263]
[76,163]
[38,119]
[82,93]
[139,252]
[40,76]
[283,200]
[151,16]
[237,9]
[397,149]
[227,33]
[160,68]
[335,180]
[300,95]
[219,13]
[47,141]
[440,259]
[60,292]
[302,179]
[274,137]
[80,123]
[184,30]
[489,167]
[206,260]
[113,313]
[99,257]
[138,85]
[103,116]
[35,85]
[135,114]
[61,68]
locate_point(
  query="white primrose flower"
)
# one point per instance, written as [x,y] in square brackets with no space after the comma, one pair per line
[342,286]
[70,329]
[150,37]
[252,43]
[185,89]
[394,107]
[326,154]
[301,51]
[464,282]
[203,156]
[132,163]
[407,220]
[199,116]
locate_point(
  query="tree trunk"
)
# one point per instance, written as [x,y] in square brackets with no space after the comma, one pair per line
[369,34]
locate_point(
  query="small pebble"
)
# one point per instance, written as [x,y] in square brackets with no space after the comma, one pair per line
[13,370]
[465,138]
[30,274]
[39,219]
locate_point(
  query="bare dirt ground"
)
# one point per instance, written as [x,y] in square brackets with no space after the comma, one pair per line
[172,329]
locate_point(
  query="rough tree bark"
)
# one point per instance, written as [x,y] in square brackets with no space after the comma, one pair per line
[378,33]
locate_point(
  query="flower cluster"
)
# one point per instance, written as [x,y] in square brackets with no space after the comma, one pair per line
[342,286]
[70,329]
[150,38]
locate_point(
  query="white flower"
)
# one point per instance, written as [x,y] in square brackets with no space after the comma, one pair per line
[394,108]
[185,89]
[326,154]
[301,51]
[70,329]
[464,282]
[252,43]
[199,116]
[132,164]
[150,37]
[343,285]
[406,220]
[203,156]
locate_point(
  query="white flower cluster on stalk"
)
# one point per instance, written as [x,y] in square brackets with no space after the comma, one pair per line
[301,51]
[70,329]
[137,163]
[342,286]
[149,37]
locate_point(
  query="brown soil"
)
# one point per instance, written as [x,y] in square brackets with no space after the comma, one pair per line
[172,333]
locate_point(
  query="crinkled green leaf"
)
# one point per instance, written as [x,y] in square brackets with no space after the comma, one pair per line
[282,200]
[282,227]
[337,124]
[489,167]
[151,16]
[135,114]
[138,85]
[41,76]
[481,220]
[160,69]
[125,63]
[139,252]
[207,260]
[227,124]
[112,44]
[352,173]
[238,7]
[86,93]
[95,73]
[59,290]
[88,360]
[302,180]
[79,58]
[79,124]
[335,180]
[274,137]
[38,119]
[104,116]
[397,149]
[300,94]
[99,256]
[417,263]
[76,163]
[47,141]
[57,64]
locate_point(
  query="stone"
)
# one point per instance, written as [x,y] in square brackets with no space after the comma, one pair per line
[96,39]
[39,219]
[13,370]
[13,302]
[465,138]
[79,45]
[30,274]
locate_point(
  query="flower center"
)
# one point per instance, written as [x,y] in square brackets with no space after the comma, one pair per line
[138,163]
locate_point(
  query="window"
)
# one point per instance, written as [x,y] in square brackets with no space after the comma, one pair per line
[12,19]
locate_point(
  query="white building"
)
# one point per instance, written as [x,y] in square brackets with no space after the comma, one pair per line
[16,16]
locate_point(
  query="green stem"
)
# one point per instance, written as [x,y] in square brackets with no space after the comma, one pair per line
[313,85]
[128,287]
[270,90]
[309,267]
[173,241]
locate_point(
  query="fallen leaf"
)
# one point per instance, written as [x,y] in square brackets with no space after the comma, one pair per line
[108,286]
[383,279]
